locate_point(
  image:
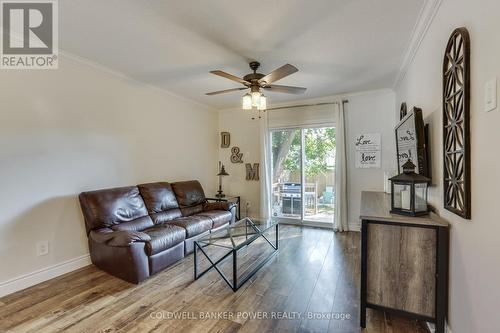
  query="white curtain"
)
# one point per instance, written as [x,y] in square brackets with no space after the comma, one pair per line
[265,168]
[340,220]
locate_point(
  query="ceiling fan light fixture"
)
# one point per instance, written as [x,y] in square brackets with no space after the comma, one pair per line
[247,102]
[256,81]
[263,103]
[255,98]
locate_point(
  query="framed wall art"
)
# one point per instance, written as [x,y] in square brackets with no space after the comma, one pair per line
[368,150]
[403,111]
[410,142]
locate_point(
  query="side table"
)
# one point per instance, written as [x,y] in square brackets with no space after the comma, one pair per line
[231,198]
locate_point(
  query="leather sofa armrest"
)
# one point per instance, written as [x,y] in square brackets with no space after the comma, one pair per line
[118,238]
[220,205]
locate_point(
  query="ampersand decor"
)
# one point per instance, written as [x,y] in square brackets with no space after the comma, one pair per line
[252,172]
[236,156]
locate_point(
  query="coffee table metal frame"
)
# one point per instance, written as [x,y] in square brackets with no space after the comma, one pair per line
[250,238]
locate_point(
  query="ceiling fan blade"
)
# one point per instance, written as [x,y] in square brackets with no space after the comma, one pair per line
[230,77]
[285,89]
[278,74]
[224,91]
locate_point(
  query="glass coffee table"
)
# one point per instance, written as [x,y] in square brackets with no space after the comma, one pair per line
[230,240]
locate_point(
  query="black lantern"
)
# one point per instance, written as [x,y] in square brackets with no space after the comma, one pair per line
[409,192]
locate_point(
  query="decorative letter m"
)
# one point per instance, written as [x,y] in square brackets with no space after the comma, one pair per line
[252,172]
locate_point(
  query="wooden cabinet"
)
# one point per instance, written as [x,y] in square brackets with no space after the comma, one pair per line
[404,262]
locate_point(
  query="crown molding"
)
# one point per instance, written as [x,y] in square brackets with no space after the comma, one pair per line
[424,21]
[121,76]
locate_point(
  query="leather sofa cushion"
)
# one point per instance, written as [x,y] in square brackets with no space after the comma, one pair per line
[126,262]
[188,211]
[158,197]
[122,238]
[106,208]
[194,225]
[163,237]
[218,217]
[220,205]
[135,225]
[189,193]
[166,216]
[166,258]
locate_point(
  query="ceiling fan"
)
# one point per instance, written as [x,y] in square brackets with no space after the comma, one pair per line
[256,81]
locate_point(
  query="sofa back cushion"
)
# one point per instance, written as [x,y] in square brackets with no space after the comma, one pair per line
[190,196]
[160,201]
[111,207]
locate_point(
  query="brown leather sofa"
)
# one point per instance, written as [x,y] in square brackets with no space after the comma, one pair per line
[137,231]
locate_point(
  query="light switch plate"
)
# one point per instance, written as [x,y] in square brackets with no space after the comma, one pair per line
[490,95]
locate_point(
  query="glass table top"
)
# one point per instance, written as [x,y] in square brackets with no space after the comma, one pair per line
[238,234]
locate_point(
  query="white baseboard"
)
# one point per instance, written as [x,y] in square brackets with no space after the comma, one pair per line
[354,226]
[44,274]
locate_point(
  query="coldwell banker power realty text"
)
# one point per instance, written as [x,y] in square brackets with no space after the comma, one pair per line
[29,34]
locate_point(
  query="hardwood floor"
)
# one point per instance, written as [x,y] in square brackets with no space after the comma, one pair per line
[315,274]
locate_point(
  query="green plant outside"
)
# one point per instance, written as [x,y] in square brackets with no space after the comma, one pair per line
[318,145]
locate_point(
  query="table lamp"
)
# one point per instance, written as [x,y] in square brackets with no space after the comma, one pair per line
[222,172]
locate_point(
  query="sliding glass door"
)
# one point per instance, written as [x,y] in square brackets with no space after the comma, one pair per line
[319,174]
[303,174]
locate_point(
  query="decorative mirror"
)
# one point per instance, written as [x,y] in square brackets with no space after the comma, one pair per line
[456,126]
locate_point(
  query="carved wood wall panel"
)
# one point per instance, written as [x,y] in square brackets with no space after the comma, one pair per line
[456,126]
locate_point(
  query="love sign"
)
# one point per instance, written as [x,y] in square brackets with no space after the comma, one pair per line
[368,147]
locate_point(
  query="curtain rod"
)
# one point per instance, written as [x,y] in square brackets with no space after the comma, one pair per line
[344,101]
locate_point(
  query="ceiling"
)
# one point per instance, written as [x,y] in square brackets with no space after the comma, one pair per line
[339,46]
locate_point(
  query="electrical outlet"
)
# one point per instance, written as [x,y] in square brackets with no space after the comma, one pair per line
[42,248]
[247,208]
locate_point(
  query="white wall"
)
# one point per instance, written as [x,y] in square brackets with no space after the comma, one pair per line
[367,112]
[475,251]
[81,128]
[245,135]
